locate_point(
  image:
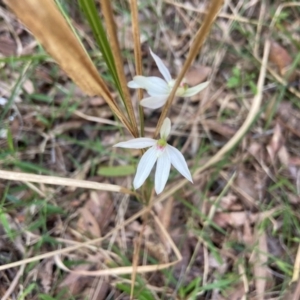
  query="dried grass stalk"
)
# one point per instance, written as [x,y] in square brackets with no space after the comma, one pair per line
[115,47]
[137,54]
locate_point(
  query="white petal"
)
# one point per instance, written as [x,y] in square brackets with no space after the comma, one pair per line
[138,143]
[162,172]
[195,90]
[165,128]
[162,68]
[144,167]
[133,85]
[178,161]
[154,102]
[155,86]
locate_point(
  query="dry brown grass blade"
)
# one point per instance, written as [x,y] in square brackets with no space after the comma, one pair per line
[194,50]
[137,54]
[136,40]
[260,266]
[204,11]
[27,177]
[115,47]
[49,26]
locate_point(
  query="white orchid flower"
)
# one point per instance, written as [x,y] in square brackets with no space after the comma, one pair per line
[160,152]
[160,89]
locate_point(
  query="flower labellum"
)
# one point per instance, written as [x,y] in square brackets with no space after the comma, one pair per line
[160,89]
[162,153]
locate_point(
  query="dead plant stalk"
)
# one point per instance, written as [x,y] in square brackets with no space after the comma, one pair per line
[114,43]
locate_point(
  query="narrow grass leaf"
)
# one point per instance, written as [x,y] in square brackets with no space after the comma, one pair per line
[46,297]
[92,16]
[5,223]
[10,140]
[27,291]
[15,90]
[116,171]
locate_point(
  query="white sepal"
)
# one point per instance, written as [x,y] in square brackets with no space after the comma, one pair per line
[195,90]
[163,167]
[154,102]
[144,167]
[133,85]
[179,163]
[161,67]
[153,85]
[138,143]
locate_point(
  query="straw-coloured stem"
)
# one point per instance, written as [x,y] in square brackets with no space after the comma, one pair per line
[54,180]
[137,54]
[113,39]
